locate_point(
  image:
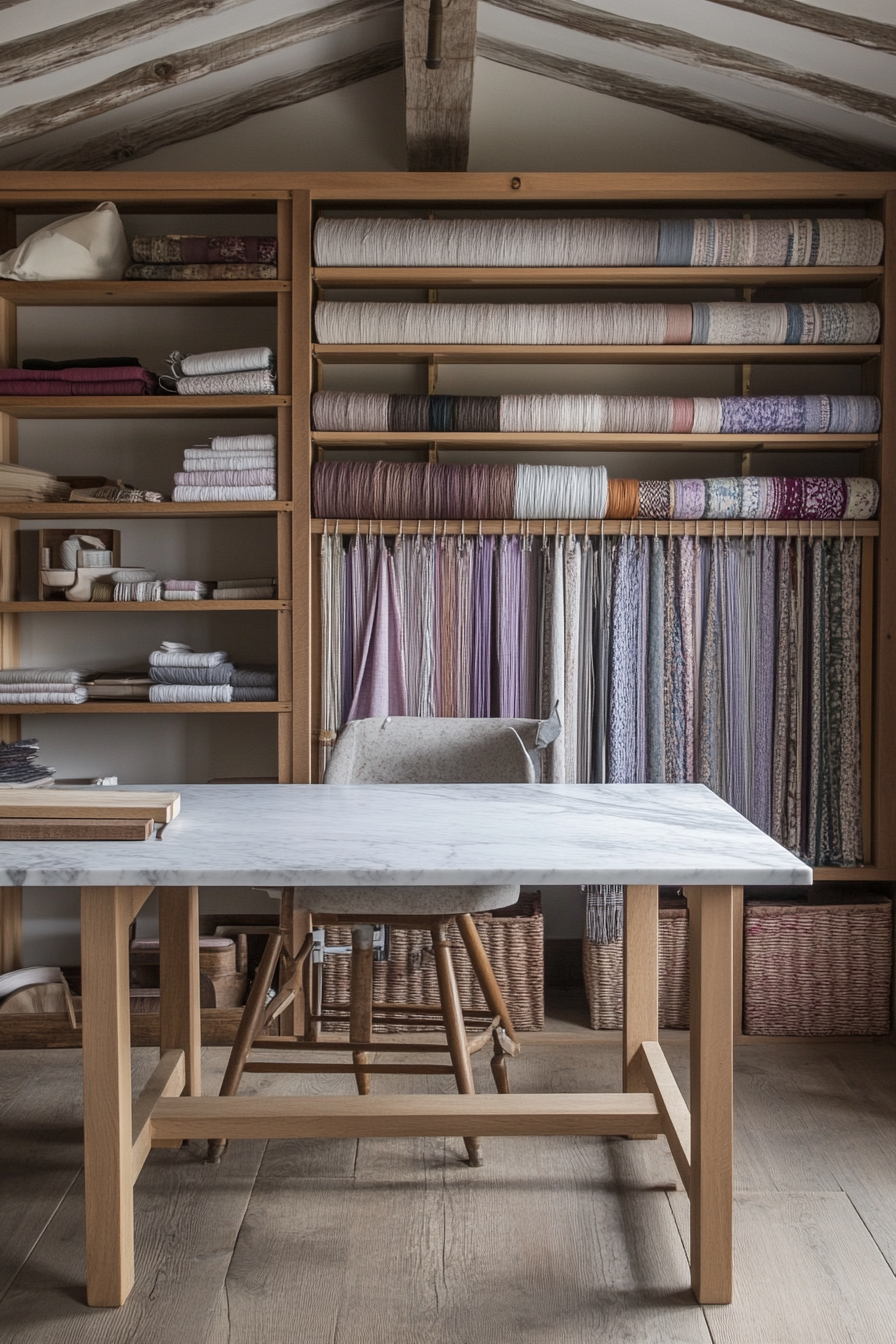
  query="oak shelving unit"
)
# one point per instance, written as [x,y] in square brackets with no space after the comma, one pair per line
[298,198]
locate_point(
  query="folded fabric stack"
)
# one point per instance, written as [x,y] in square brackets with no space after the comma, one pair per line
[243,590]
[116,492]
[597,242]
[184,256]
[20,768]
[37,487]
[180,675]
[222,373]
[133,585]
[114,377]
[229,467]
[119,686]
[569,413]
[42,686]
[184,590]
[254,682]
[413,490]
[340,323]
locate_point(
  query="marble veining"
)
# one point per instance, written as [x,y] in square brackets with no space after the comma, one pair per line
[419,835]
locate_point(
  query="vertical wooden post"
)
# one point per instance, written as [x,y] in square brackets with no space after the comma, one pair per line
[10,724]
[106,1029]
[712,1126]
[361,998]
[866,694]
[640,980]
[303,598]
[295,923]
[180,1021]
[10,928]
[884,733]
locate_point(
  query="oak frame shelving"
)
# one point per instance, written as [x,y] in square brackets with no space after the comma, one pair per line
[297,198]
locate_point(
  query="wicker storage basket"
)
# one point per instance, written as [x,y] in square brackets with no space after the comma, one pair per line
[602,964]
[514,944]
[817,970]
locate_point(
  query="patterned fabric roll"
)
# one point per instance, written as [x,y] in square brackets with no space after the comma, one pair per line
[690,499]
[823,497]
[750,497]
[862,498]
[723,497]
[655,499]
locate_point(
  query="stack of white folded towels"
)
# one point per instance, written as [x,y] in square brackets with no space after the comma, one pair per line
[238,467]
[42,686]
[223,373]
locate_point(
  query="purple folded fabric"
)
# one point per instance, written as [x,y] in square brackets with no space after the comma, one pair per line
[79,382]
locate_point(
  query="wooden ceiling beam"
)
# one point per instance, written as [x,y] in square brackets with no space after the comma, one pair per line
[438,102]
[688,49]
[164,72]
[803,140]
[54,48]
[189,123]
[844,27]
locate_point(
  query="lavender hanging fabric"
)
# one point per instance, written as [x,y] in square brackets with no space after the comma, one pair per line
[572,560]
[764,684]
[787,750]
[508,632]
[483,568]
[552,663]
[463,648]
[673,702]
[626,738]
[530,605]
[711,761]
[332,587]
[606,551]
[585,656]
[655,701]
[379,688]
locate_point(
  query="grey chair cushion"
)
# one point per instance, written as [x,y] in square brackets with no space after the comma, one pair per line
[434,751]
[383,902]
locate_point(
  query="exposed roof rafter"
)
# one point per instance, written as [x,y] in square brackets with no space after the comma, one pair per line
[688,49]
[438,102]
[811,144]
[54,48]
[201,119]
[164,72]
[845,27]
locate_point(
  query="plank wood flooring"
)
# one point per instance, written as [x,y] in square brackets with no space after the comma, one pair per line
[398,1242]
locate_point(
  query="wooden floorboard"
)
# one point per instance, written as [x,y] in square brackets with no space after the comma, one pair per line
[400,1242]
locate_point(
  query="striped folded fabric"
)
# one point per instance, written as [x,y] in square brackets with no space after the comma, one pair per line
[366,241]
[346,323]
[382,412]
[204,494]
[174,654]
[257,476]
[190,694]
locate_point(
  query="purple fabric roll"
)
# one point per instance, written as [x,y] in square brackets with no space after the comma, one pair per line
[791,497]
[824,497]
[689,499]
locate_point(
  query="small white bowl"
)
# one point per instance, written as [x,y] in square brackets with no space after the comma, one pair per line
[58,578]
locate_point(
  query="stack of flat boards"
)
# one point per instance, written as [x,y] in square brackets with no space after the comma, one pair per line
[84,814]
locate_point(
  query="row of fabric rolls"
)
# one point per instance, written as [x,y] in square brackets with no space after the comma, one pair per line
[592,413]
[731,662]
[384,323]
[608,241]
[413,490]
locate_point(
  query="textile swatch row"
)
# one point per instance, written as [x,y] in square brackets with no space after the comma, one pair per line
[414,490]
[576,413]
[228,467]
[733,663]
[244,372]
[529,241]
[364,323]
[184,256]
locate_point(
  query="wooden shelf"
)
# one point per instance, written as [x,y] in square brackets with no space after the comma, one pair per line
[553,277]
[242,508]
[647,527]
[622,443]
[144,707]
[154,408]
[594,354]
[143,293]
[203,607]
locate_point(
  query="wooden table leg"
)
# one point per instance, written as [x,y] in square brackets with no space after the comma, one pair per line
[180,1021]
[712,1069]
[639,981]
[108,1168]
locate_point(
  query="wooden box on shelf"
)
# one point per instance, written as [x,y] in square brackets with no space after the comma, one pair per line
[51,538]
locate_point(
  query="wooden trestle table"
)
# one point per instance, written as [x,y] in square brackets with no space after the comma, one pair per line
[308,835]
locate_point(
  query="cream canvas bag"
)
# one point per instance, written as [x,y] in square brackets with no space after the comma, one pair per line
[80,247]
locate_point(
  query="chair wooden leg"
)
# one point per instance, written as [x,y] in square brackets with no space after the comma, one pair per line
[454,1025]
[250,1025]
[361,1001]
[482,968]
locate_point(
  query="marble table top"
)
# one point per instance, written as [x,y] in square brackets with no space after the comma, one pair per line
[424,834]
